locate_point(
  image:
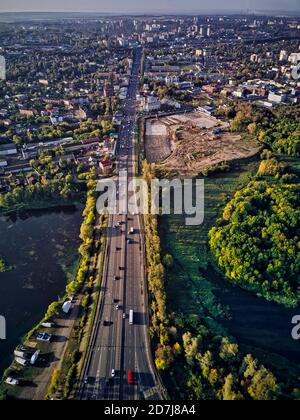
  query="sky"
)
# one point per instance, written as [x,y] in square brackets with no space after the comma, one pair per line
[146,6]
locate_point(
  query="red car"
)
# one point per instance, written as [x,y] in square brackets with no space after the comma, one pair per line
[130,377]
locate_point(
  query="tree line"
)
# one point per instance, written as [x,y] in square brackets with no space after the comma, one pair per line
[278,129]
[256,241]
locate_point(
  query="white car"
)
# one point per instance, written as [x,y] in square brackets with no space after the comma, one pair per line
[12,382]
[113,373]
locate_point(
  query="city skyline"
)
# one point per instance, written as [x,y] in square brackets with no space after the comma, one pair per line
[135,6]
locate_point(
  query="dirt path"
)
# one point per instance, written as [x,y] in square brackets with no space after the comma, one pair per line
[38,389]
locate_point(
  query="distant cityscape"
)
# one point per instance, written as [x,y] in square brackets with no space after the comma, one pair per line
[146,309]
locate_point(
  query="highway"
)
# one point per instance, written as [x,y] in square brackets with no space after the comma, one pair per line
[116,346]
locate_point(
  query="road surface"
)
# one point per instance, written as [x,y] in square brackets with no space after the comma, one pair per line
[116,346]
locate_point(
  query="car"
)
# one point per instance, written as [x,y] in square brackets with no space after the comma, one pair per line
[124,316]
[44,337]
[86,380]
[129,241]
[117,307]
[12,381]
[130,377]
[113,373]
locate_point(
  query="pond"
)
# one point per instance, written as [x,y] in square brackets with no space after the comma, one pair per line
[41,246]
[254,321]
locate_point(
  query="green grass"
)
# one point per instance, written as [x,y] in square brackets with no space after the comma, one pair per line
[189,292]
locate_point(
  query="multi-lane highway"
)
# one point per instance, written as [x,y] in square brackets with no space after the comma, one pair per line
[116,346]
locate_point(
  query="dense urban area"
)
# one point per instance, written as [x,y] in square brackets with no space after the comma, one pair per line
[148,311]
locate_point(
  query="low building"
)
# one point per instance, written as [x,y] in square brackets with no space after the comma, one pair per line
[152,103]
[211,89]
[27,112]
[8,149]
[277,98]
[106,166]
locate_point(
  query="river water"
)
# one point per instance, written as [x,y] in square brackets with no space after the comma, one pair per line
[42,248]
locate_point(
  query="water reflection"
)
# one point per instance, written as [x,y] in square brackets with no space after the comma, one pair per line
[42,247]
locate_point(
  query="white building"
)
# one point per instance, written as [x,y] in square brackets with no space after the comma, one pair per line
[294,58]
[171,79]
[254,58]
[277,98]
[283,55]
[152,103]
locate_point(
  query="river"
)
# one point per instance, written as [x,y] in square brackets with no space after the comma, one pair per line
[41,246]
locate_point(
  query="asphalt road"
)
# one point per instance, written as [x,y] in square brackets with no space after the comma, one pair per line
[117,347]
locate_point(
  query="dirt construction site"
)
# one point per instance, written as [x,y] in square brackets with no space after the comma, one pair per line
[187,144]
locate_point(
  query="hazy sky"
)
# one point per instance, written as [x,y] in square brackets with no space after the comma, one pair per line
[147,5]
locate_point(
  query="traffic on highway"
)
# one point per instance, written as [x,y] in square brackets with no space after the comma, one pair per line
[119,363]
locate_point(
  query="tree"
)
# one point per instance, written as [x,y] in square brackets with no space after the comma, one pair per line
[228,351]
[191,347]
[264,386]
[195,383]
[252,128]
[164,357]
[168,261]
[229,392]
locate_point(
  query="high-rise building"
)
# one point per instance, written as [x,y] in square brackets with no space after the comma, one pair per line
[201,30]
[2,68]
[209,31]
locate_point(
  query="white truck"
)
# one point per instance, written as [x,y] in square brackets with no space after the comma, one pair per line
[48,325]
[131,317]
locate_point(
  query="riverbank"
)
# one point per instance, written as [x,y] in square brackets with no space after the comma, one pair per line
[38,205]
[43,246]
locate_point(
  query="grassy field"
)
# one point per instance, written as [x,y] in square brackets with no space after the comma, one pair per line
[196,289]
[189,247]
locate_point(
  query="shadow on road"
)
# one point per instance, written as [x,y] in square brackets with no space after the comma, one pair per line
[58,339]
[140,318]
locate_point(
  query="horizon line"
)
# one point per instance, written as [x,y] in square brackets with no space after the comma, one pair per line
[163,11]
